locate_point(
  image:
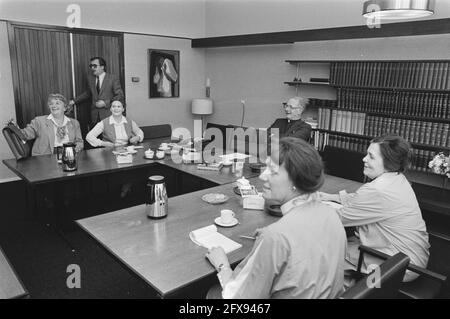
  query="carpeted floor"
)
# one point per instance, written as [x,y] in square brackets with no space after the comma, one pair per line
[41,257]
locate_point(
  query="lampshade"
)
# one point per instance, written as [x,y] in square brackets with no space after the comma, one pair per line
[202,106]
[398,9]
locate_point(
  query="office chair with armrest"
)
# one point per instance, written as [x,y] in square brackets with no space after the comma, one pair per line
[427,286]
[20,147]
[391,273]
[157,131]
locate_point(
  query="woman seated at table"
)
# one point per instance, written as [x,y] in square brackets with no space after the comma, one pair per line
[385,211]
[116,129]
[52,131]
[302,254]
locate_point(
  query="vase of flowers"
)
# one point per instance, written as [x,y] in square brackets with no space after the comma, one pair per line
[440,164]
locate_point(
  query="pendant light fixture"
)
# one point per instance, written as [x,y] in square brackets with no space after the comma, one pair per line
[398,9]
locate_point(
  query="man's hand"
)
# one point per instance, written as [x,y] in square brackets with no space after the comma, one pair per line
[134,139]
[10,121]
[100,104]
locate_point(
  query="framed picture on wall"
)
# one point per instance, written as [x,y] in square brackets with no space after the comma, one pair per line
[164,73]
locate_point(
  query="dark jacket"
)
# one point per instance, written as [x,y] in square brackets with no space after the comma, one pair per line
[296,128]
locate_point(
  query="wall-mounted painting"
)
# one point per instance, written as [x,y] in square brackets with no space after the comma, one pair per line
[164,72]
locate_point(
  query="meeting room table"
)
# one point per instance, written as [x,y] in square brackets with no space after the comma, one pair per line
[10,285]
[160,251]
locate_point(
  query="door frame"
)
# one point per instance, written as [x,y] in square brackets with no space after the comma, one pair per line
[11,25]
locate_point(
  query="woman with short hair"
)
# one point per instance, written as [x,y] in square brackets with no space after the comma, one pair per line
[52,131]
[302,254]
[385,211]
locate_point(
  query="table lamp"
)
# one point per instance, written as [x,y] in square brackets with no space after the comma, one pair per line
[202,107]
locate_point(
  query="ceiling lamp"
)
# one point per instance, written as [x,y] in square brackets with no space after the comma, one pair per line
[398,9]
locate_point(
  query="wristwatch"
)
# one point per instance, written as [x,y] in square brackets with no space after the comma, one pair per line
[221,267]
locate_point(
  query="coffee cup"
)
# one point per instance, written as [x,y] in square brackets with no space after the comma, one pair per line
[164,145]
[149,153]
[226,216]
[130,148]
[160,154]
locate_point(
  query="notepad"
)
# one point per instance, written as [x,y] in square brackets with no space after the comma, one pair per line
[208,237]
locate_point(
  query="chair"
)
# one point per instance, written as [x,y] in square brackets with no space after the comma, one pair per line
[391,273]
[427,286]
[157,131]
[343,163]
[16,141]
[211,130]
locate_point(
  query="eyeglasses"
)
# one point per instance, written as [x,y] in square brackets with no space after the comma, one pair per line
[94,66]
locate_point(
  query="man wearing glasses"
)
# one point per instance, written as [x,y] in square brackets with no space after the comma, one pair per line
[293,125]
[103,88]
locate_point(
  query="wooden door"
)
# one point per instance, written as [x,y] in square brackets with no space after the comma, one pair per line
[41,64]
[85,46]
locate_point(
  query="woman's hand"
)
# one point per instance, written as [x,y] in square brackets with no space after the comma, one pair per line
[217,257]
[134,139]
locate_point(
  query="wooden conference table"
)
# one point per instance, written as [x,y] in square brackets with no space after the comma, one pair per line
[10,284]
[160,251]
[44,169]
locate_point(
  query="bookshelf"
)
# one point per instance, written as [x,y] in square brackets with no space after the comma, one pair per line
[408,97]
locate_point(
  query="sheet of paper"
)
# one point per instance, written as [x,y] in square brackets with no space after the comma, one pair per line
[231,157]
[208,237]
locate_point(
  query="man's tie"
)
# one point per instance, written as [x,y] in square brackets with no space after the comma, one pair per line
[97,85]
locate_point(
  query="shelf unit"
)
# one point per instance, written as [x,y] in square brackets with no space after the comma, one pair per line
[407,97]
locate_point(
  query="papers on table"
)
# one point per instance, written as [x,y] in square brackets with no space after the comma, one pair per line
[231,157]
[333,204]
[208,237]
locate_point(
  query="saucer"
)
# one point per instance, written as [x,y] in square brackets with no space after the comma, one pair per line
[217,221]
[149,157]
[215,198]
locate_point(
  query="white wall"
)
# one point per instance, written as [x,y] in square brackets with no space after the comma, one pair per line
[7,108]
[231,17]
[181,18]
[176,111]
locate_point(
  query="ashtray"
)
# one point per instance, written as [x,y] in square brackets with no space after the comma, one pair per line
[275,210]
[257,167]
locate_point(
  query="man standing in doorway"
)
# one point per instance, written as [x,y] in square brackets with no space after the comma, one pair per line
[102,89]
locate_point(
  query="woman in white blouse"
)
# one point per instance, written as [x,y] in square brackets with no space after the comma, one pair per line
[302,254]
[116,129]
[385,211]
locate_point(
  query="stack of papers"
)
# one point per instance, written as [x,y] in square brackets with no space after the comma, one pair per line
[208,237]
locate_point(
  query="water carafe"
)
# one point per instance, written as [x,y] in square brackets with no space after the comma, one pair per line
[69,161]
[156,197]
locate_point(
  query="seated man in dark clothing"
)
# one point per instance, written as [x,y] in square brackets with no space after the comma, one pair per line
[292,125]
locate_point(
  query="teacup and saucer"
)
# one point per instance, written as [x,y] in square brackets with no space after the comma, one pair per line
[226,218]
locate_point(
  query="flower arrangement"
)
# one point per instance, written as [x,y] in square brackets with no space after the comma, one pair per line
[440,164]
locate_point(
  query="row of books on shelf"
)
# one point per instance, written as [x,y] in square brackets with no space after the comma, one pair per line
[429,133]
[322,102]
[420,75]
[322,139]
[419,161]
[425,104]
[341,121]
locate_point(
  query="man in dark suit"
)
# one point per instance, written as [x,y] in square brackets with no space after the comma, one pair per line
[293,125]
[102,89]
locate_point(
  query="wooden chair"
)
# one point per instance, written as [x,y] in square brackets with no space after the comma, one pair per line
[157,131]
[427,286]
[391,273]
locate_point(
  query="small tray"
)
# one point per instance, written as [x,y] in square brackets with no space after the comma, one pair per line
[215,198]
